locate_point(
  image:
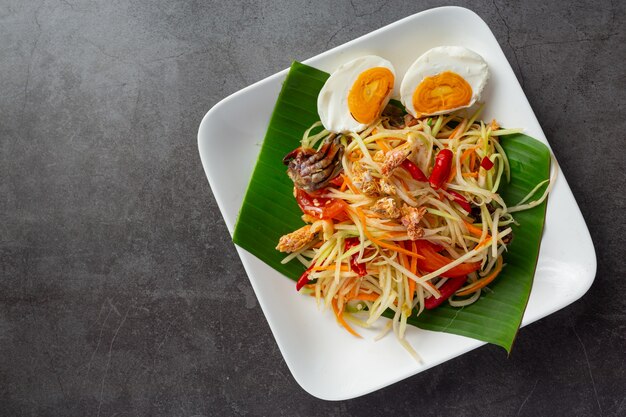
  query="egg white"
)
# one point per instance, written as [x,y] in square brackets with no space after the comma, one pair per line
[462,61]
[332,101]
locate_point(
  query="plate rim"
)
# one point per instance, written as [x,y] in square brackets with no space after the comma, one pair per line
[243,254]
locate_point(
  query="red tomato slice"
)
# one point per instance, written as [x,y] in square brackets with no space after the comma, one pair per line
[321,207]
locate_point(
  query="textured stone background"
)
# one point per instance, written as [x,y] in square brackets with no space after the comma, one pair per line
[120,291]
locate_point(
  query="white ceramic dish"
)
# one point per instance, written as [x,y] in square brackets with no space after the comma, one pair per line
[323,358]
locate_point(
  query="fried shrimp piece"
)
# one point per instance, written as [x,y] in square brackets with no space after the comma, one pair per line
[393,159]
[362,178]
[386,208]
[411,216]
[386,187]
[295,241]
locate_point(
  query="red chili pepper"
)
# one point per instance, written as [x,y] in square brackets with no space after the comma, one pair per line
[462,201]
[304,279]
[415,172]
[357,267]
[449,287]
[486,163]
[441,170]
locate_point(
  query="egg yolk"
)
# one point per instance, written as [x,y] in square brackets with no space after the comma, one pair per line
[444,91]
[368,93]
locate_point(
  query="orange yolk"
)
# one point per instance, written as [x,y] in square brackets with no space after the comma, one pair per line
[368,93]
[445,91]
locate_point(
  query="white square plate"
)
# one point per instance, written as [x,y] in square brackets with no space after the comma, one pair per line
[324,358]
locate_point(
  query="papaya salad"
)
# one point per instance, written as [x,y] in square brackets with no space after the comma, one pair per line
[400,201]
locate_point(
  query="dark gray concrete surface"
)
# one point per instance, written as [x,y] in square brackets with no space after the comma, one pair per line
[120,291]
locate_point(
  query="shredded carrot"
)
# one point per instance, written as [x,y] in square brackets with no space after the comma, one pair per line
[364,296]
[380,242]
[391,235]
[475,230]
[344,185]
[340,319]
[342,268]
[383,145]
[484,242]
[452,173]
[483,282]
[413,260]
[467,153]
[411,266]
[411,289]
[350,185]
[390,246]
[457,129]
[470,152]
[454,131]
[355,155]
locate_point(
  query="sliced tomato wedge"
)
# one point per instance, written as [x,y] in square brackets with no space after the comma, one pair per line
[433,261]
[321,207]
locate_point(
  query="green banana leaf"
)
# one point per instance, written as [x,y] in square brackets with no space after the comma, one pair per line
[270,211]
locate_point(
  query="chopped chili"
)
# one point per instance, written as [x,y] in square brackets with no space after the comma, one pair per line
[462,201]
[304,279]
[357,267]
[414,170]
[486,163]
[448,288]
[441,170]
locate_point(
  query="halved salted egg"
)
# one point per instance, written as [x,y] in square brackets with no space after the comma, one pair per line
[355,94]
[443,79]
